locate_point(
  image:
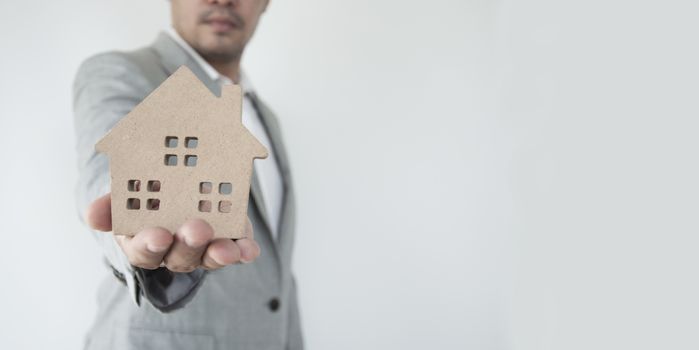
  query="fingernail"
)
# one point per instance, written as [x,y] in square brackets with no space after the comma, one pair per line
[245,261]
[155,248]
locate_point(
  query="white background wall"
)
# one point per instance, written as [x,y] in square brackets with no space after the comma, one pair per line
[471,174]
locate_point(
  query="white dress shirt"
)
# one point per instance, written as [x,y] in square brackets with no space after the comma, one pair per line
[267,170]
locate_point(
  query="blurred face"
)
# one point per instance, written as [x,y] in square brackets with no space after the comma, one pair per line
[218,30]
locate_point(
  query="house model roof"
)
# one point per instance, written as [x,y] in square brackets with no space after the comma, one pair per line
[182,153]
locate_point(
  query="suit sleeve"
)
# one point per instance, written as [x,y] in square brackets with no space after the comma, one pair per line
[106,88]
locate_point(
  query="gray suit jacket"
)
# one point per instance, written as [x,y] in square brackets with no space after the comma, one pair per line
[250,306]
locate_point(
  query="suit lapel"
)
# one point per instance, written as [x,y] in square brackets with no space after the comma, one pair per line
[286,223]
[274,132]
[256,192]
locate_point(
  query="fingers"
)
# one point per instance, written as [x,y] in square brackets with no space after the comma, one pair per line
[147,248]
[99,213]
[249,249]
[189,246]
[221,252]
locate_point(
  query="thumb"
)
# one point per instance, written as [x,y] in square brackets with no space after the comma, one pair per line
[99,213]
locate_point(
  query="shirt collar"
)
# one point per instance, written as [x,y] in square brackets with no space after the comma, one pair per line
[208,69]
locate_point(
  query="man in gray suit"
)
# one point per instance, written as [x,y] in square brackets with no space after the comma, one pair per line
[185,290]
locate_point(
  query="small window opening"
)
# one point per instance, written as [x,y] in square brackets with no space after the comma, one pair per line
[224,206]
[153,204]
[205,187]
[190,160]
[170,160]
[133,204]
[134,185]
[205,206]
[225,188]
[171,141]
[191,142]
[153,186]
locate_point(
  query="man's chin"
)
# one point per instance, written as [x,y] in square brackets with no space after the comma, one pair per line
[219,48]
[218,54]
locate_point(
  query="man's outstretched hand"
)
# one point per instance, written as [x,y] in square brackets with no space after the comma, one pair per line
[190,247]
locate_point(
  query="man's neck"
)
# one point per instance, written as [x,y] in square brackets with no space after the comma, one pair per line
[228,69]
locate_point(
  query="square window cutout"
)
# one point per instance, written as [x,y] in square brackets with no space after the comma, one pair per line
[171,141]
[205,187]
[190,160]
[170,160]
[191,142]
[153,204]
[205,206]
[225,188]
[133,204]
[134,185]
[224,206]
[153,186]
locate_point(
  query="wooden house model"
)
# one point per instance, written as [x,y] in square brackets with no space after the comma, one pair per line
[182,153]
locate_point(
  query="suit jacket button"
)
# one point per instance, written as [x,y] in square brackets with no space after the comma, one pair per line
[273,304]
